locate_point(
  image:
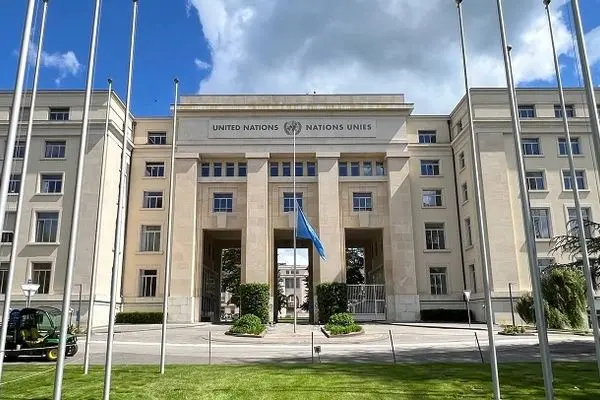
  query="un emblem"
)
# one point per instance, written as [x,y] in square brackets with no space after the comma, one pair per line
[292,128]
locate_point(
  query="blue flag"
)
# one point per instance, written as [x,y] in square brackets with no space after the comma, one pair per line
[305,230]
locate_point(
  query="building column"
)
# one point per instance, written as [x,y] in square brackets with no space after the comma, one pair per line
[182,303]
[402,299]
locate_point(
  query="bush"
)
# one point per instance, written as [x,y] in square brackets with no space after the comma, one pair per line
[332,298]
[525,308]
[139,318]
[342,330]
[446,315]
[248,324]
[254,299]
[513,330]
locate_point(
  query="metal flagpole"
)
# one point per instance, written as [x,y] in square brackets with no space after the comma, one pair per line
[295,223]
[120,204]
[527,218]
[64,324]
[19,210]
[579,214]
[92,295]
[479,204]
[167,277]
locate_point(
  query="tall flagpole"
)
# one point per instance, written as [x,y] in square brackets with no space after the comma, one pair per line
[479,204]
[295,224]
[579,214]
[19,210]
[76,206]
[167,277]
[120,204]
[92,295]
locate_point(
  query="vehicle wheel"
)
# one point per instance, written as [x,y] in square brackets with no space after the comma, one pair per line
[52,355]
[72,350]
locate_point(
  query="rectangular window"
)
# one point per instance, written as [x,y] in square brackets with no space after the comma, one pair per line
[205,169]
[355,168]
[299,168]
[148,280]
[535,180]
[572,225]
[153,199]
[51,183]
[430,167]
[438,281]
[432,198]
[544,263]
[41,272]
[288,201]
[274,166]
[311,168]
[229,169]
[531,146]
[465,192]
[59,114]
[575,146]
[435,238]
[579,176]
[217,169]
[55,149]
[367,168]
[19,151]
[362,201]
[157,138]
[150,240]
[343,166]
[14,184]
[379,168]
[3,277]
[468,232]
[527,111]
[46,227]
[461,160]
[568,107]
[287,168]
[541,222]
[427,136]
[155,169]
[473,278]
[242,169]
[223,202]
[7,237]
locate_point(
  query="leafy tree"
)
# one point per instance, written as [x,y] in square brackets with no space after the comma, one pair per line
[280,296]
[231,273]
[355,266]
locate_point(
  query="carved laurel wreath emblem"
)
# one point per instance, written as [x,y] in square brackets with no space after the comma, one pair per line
[292,128]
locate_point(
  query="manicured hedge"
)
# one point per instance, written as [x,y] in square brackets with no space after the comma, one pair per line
[248,324]
[341,324]
[254,299]
[446,315]
[139,318]
[332,298]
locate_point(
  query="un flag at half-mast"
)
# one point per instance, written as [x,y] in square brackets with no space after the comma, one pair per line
[305,231]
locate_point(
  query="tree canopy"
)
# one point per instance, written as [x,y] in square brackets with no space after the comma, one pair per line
[355,266]
[231,273]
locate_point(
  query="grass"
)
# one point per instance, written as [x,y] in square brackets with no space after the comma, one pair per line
[573,381]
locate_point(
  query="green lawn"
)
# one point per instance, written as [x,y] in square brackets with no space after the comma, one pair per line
[573,381]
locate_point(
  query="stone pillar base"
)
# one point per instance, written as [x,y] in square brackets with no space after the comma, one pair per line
[403,308]
[181,310]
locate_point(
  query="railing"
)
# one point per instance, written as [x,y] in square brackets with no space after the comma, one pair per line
[367,302]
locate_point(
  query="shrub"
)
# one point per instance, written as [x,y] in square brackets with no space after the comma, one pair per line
[342,330]
[255,300]
[139,318]
[332,298]
[525,308]
[446,315]
[341,319]
[513,330]
[248,324]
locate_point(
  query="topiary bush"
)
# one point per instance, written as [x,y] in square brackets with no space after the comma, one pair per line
[139,318]
[446,315]
[525,308]
[332,298]
[254,298]
[342,319]
[248,324]
[342,323]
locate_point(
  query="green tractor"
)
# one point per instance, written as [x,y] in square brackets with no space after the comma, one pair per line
[35,332]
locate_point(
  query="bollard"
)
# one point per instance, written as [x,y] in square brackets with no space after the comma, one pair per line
[479,347]
[209,347]
[312,347]
[392,343]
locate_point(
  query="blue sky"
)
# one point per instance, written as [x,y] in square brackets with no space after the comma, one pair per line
[276,46]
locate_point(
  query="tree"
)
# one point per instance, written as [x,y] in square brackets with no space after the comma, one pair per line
[355,266]
[231,273]
[280,296]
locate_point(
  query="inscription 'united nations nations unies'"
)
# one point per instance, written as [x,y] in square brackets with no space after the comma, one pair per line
[279,127]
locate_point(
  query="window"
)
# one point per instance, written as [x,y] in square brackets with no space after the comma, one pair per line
[367,168]
[287,168]
[438,281]
[205,169]
[157,137]
[14,184]
[579,177]
[274,168]
[19,151]
[153,199]
[217,169]
[7,237]
[465,192]
[155,169]
[531,146]
[229,169]
[430,167]
[562,146]
[299,168]
[468,232]
[362,201]
[432,197]
[288,201]
[427,136]
[355,168]
[51,183]
[23,113]
[343,167]
[41,272]
[461,160]
[568,107]
[59,114]
[148,278]
[3,277]
[46,227]
[379,168]
[544,263]
[473,278]
[150,240]
[572,225]
[311,168]
[527,111]
[242,169]
[541,222]
[223,202]
[55,149]
[434,236]
[535,180]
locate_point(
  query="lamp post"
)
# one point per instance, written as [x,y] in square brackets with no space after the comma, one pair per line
[29,289]
[467,294]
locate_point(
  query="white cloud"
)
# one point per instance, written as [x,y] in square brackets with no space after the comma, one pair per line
[287,256]
[202,65]
[65,63]
[593,45]
[346,46]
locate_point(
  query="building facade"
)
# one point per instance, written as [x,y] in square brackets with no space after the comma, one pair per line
[370,174]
